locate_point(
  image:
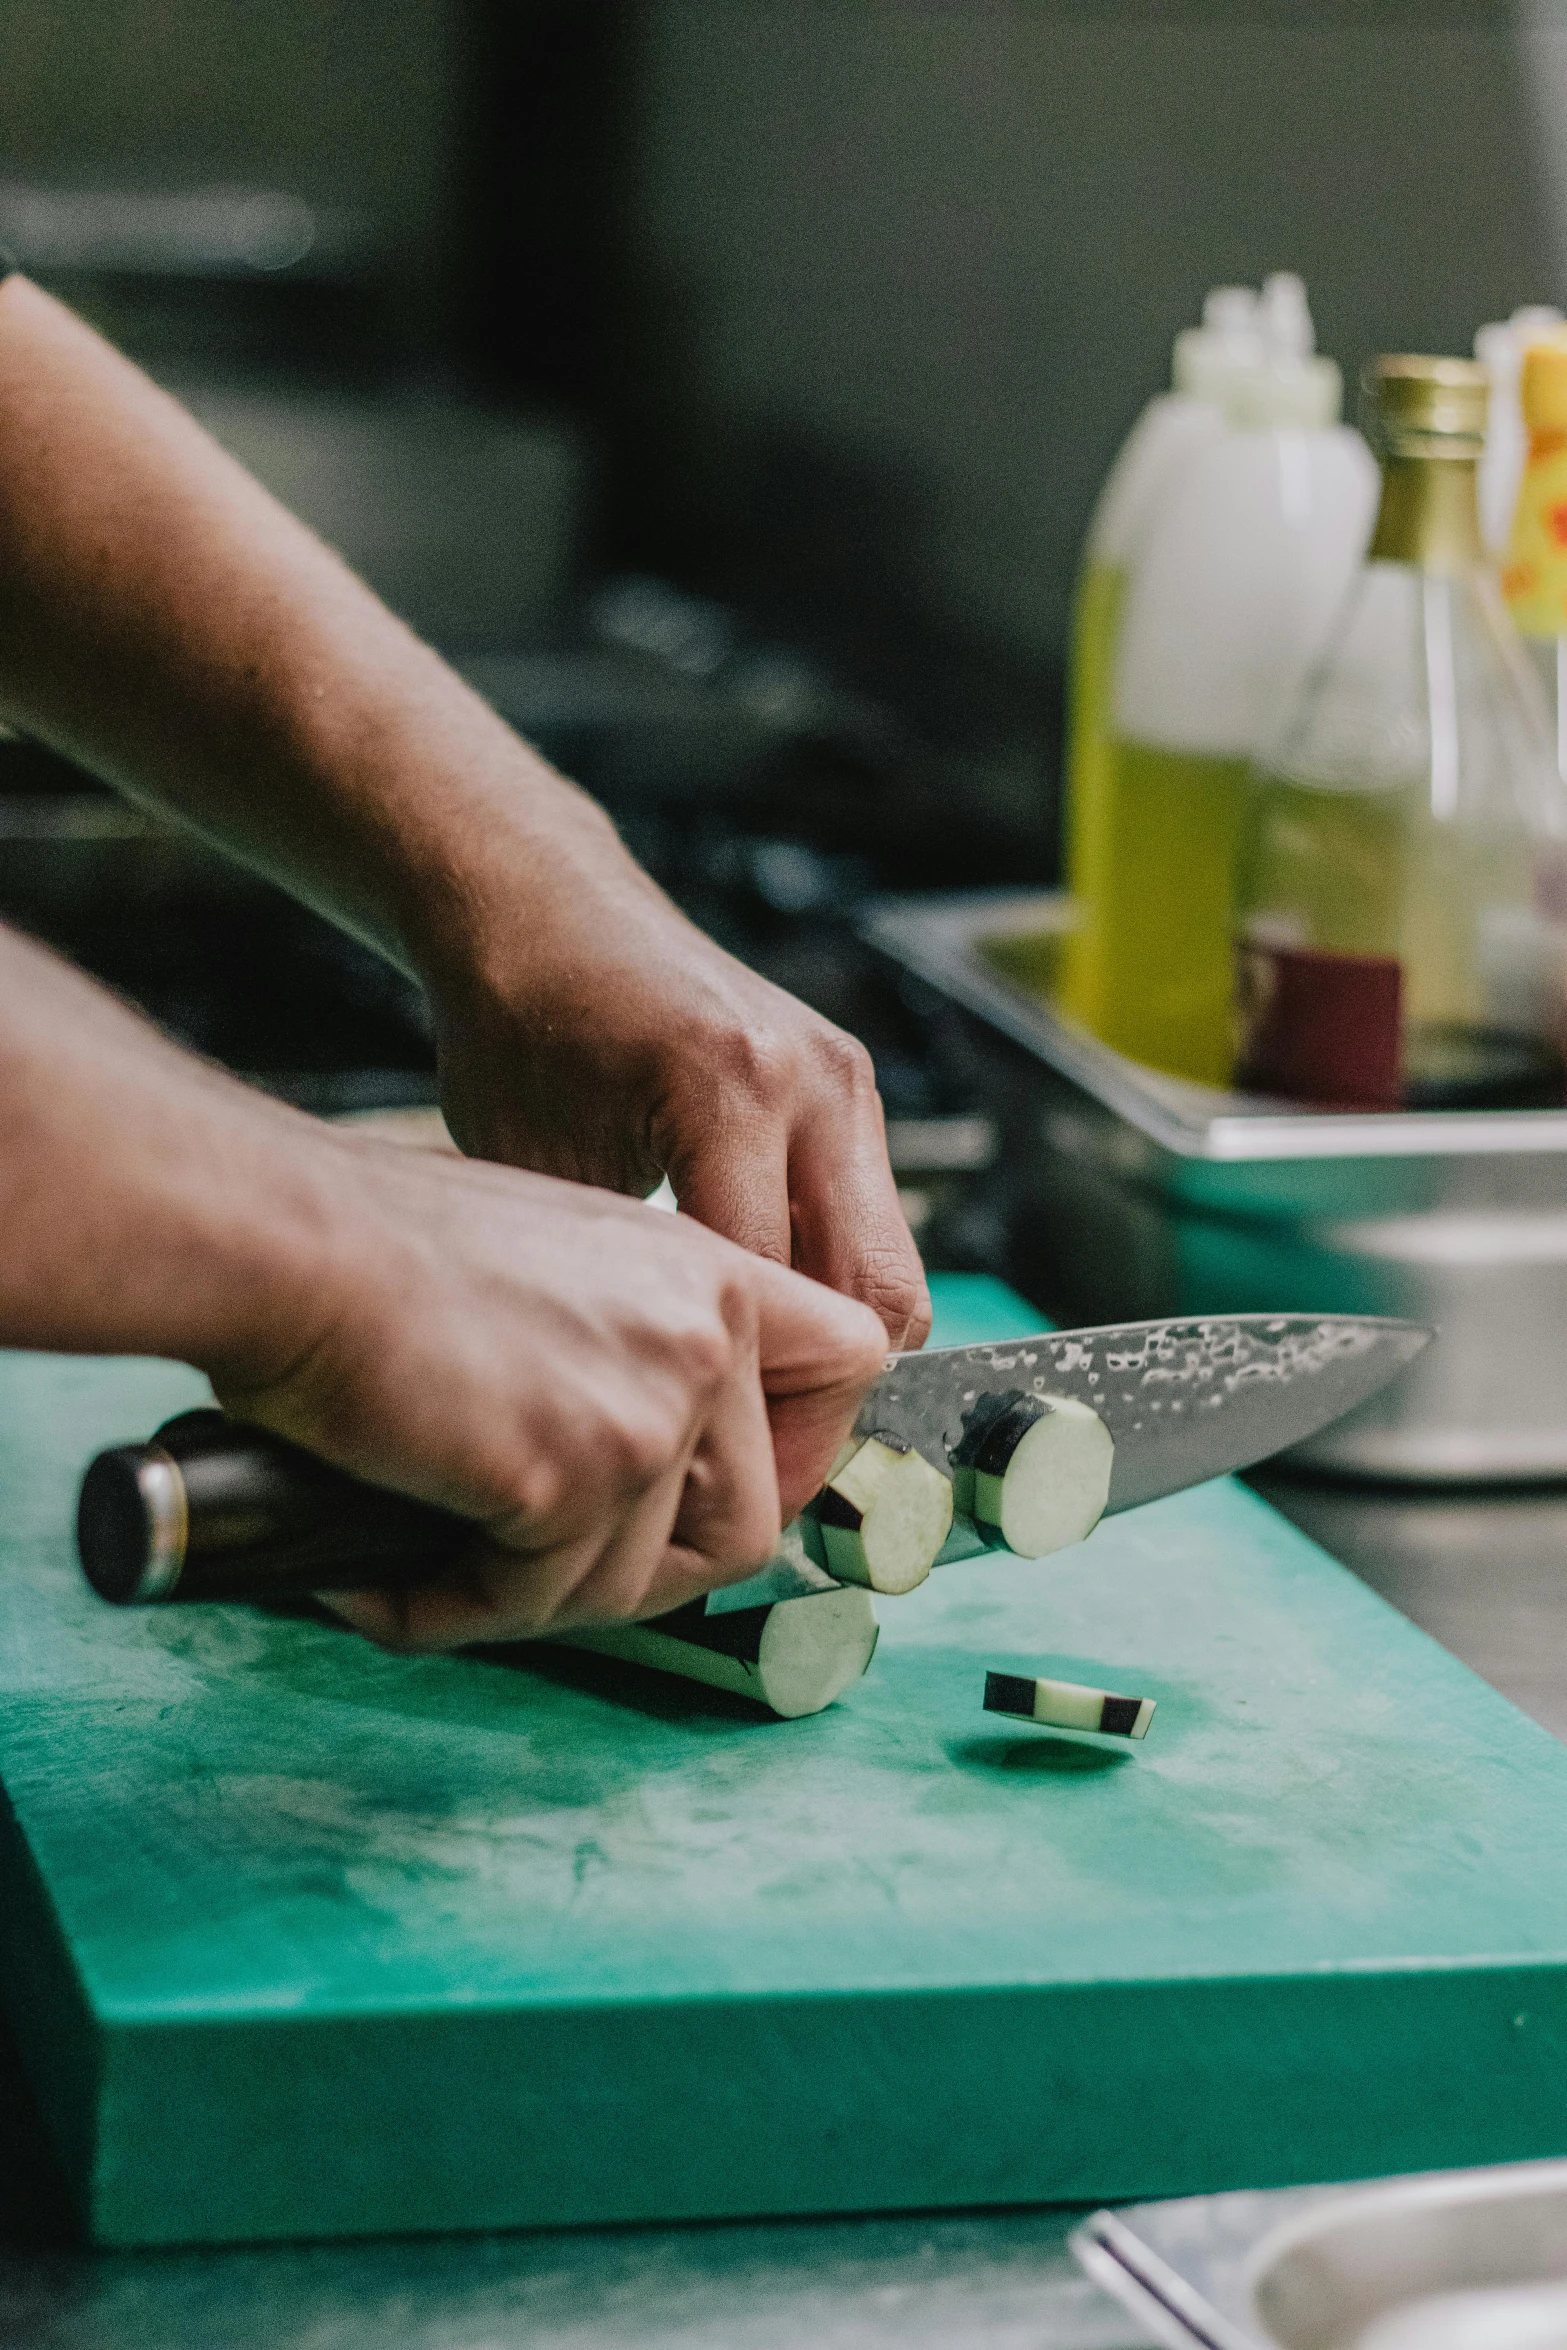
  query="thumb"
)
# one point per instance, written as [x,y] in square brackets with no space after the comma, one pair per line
[818,1352]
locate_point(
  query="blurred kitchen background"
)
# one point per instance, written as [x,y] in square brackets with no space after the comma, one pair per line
[725,385]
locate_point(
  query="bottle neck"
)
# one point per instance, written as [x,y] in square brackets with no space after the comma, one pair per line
[1429,515]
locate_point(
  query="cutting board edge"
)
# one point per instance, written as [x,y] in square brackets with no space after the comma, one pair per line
[719,2125]
[107,2016]
[59,2037]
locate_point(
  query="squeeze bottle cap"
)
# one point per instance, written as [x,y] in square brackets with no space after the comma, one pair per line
[1286,315]
[1229,310]
[1207,358]
[1254,357]
[1545,386]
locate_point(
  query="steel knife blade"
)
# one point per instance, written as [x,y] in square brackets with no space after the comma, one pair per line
[1184,1400]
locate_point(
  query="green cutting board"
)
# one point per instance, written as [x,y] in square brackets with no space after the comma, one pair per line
[302,1939]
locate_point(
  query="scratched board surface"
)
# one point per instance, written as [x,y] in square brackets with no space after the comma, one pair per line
[304,1939]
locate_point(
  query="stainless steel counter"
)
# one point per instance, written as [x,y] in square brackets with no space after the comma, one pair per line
[1487,1577]
[830,2285]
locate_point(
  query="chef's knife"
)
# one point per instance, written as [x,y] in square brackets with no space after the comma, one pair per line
[211,1509]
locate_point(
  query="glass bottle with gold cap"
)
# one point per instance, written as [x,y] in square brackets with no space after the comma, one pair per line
[1534,576]
[1402,883]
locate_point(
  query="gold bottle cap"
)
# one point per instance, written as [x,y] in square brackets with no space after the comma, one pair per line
[1420,407]
[1545,387]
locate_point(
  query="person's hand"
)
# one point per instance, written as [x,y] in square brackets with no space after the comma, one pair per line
[627,1405]
[164,622]
[590,1031]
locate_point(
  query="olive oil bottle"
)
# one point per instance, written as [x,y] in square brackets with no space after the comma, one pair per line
[1402,877]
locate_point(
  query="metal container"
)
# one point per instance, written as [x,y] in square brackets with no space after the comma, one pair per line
[1453,2260]
[1139,1194]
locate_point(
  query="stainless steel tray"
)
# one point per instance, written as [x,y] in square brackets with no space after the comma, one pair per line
[1453,2260]
[1144,1195]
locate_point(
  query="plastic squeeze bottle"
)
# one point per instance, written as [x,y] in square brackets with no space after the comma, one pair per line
[1246,562]
[1171,428]
[1402,888]
[1500,349]
[1534,576]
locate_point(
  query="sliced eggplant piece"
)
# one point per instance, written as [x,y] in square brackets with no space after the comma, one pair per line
[881,1517]
[1033,1472]
[794,1657]
[1068,1705]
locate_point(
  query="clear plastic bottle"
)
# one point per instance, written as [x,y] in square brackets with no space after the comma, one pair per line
[1244,564]
[1402,879]
[1534,576]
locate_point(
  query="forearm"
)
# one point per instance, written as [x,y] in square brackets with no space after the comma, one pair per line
[148,1204]
[164,621]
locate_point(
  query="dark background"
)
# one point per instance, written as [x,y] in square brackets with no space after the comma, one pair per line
[855,298]
[726,384]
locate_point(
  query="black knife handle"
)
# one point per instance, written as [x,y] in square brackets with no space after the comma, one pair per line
[213,1510]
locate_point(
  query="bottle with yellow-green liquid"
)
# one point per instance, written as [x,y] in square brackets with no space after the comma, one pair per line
[1241,563]
[1168,433]
[1402,889]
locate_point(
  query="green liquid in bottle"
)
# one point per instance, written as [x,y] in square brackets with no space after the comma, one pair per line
[1166,915]
[1150,860]
[1090,791]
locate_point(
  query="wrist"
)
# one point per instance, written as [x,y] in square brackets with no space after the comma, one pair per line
[479,852]
[494,905]
[267,1245]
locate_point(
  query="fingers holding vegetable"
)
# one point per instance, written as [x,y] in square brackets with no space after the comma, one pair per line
[590,1383]
[789,1158]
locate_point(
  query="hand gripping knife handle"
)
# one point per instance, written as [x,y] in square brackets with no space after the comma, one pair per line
[213,1510]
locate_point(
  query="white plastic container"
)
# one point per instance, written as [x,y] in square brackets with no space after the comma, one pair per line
[1206,363]
[1244,566]
[1244,569]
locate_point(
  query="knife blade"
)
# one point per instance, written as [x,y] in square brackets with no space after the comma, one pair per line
[1184,1400]
[214,1510]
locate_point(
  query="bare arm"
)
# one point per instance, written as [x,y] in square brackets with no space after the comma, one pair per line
[624,1403]
[163,620]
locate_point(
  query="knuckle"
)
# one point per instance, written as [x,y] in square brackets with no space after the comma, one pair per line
[740,1310]
[530,1490]
[756,1063]
[843,1062]
[704,1352]
[636,1447]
